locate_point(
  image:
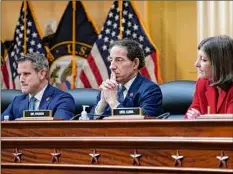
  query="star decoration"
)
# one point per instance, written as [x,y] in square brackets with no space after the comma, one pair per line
[17,156]
[178,159]
[222,160]
[94,156]
[136,158]
[56,156]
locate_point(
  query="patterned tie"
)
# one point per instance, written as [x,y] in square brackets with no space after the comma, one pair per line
[32,103]
[121,94]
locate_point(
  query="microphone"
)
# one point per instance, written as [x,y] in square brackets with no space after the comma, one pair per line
[95,116]
[164,115]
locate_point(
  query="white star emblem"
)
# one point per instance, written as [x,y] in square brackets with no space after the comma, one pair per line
[222,159]
[135,27]
[114,25]
[106,39]
[116,17]
[125,12]
[136,157]
[34,34]
[100,36]
[12,53]
[17,31]
[134,35]
[19,43]
[113,34]
[128,32]
[147,49]
[110,14]
[32,42]
[29,23]
[94,156]
[107,31]
[177,158]
[141,38]
[39,46]
[104,47]
[130,16]
[30,50]
[109,22]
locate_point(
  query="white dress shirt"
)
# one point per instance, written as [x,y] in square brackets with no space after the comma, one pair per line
[38,97]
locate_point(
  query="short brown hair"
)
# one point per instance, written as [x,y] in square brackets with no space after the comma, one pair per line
[133,50]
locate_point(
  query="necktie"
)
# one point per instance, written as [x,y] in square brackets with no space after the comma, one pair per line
[32,103]
[120,94]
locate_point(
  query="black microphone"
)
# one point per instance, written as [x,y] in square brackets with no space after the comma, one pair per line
[95,116]
[164,115]
[75,117]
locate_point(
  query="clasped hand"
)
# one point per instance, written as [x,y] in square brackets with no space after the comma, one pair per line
[109,91]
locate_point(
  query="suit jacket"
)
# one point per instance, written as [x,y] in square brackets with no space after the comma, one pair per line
[61,103]
[142,93]
[206,95]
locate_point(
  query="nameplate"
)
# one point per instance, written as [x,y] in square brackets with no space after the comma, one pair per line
[216,116]
[125,117]
[126,111]
[37,115]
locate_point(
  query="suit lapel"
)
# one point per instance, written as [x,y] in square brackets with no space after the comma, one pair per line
[221,99]
[24,104]
[133,90]
[47,97]
[211,97]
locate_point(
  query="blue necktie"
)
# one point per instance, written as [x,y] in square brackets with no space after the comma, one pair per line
[32,103]
[120,94]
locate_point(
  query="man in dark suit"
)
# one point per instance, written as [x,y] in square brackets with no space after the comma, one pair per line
[38,94]
[126,59]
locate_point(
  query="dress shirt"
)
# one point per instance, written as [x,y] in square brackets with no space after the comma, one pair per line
[38,97]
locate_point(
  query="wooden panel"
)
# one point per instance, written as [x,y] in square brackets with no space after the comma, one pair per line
[87,169]
[123,146]
[186,128]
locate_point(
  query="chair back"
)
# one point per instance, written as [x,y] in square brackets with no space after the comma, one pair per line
[177,97]
[7,96]
[83,96]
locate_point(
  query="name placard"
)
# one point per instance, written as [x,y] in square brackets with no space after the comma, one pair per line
[216,116]
[126,111]
[37,115]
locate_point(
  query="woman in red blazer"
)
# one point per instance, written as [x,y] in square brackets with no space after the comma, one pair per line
[214,88]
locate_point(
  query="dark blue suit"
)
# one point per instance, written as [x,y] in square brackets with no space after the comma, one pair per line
[142,93]
[60,102]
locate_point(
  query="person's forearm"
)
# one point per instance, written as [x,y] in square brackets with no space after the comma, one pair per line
[100,108]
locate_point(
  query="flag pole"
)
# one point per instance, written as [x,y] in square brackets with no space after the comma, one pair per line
[74,66]
[25,27]
[120,11]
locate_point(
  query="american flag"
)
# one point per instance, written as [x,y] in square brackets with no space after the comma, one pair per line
[33,44]
[3,55]
[97,67]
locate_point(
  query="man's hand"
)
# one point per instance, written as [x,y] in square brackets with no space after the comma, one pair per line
[193,113]
[109,91]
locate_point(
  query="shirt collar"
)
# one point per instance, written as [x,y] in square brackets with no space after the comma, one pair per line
[129,83]
[39,95]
